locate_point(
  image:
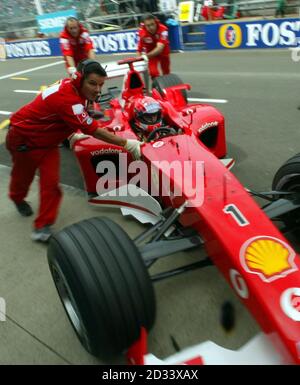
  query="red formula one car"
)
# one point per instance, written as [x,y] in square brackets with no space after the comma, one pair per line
[101,274]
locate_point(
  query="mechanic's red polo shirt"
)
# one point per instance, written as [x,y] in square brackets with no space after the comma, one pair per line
[77,48]
[147,41]
[51,117]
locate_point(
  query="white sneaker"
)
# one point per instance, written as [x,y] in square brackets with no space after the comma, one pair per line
[42,235]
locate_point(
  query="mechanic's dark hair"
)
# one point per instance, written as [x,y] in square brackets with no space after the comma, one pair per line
[72,18]
[90,66]
[149,16]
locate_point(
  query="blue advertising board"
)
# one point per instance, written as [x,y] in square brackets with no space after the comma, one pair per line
[115,42]
[104,43]
[32,48]
[54,22]
[277,33]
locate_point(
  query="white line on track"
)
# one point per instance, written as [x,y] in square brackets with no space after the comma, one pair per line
[27,91]
[31,70]
[245,75]
[5,113]
[207,100]
[41,58]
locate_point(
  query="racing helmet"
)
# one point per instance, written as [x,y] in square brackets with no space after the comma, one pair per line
[147,114]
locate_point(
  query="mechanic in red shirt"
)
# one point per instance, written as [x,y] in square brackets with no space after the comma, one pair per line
[75,44]
[154,45]
[36,131]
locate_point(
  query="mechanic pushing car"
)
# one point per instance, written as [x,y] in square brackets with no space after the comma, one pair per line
[36,131]
[75,44]
[154,45]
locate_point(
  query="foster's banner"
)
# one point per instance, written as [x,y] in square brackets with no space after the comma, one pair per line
[277,33]
[110,42]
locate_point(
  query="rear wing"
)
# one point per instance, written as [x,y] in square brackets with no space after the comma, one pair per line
[122,67]
[115,70]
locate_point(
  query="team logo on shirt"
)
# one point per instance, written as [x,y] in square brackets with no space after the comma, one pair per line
[148,40]
[164,35]
[78,109]
[65,43]
[230,35]
[81,114]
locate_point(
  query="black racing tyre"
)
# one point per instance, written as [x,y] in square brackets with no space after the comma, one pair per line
[287,178]
[165,81]
[103,284]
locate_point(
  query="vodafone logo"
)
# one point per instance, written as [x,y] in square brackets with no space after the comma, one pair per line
[290,303]
[239,284]
[207,125]
[158,144]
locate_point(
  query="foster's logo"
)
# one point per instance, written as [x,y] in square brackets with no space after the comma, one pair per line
[230,35]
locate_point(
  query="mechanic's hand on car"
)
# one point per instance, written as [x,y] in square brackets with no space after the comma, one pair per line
[134,147]
[145,57]
[71,70]
[77,136]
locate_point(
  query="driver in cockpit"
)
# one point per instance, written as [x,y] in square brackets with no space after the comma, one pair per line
[147,117]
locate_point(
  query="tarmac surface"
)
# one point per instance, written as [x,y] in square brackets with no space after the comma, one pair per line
[261,88]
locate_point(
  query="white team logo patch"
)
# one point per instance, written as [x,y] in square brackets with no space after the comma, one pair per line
[89,121]
[158,144]
[77,109]
[65,43]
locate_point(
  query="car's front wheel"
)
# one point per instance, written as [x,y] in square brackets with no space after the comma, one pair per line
[103,284]
[287,177]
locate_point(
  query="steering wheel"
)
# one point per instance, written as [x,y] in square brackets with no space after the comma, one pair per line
[161,131]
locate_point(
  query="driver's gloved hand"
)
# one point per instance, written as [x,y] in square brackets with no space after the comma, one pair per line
[134,147]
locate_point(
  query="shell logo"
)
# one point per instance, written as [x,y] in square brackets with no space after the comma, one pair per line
[270,258]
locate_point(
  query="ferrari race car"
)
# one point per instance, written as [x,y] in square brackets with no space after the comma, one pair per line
[183,191]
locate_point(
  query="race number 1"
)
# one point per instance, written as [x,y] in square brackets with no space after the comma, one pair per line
[236,215]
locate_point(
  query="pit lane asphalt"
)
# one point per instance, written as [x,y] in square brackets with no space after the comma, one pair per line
[262,89]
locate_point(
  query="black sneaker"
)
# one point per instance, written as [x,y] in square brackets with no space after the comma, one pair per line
[42,235]
[24,209]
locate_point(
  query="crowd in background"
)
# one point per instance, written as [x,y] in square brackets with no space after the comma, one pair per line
[15,13]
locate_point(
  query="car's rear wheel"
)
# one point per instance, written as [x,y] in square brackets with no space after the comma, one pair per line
[162,82]
[103,284]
